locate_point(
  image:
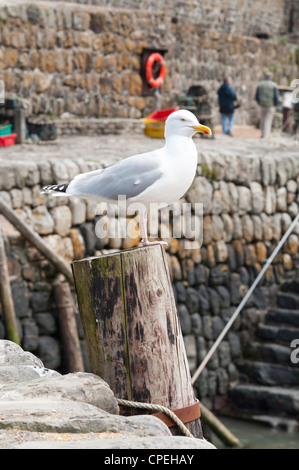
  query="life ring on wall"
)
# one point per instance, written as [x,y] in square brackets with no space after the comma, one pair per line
[155,82]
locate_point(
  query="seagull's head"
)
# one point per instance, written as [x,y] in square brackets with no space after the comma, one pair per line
[184,123]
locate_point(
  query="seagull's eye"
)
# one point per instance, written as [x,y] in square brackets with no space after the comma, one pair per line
[182,119]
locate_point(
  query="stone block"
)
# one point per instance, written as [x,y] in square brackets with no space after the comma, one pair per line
[59,171]
[78,243]
[185,319]
[267,227]
[5,197]
[68,251]
[257,197]
[235,288]
[192,301]
[7,176]
[281,201]
[261,252]
[20,296]
[89,236]
[201,191]
[48,351]
[40,301]
[26,174]
[175,268]
[221,252]
[228,227]
[190,347]
[188,271]
[217,227]
[45,170]
[222,381]
[207,229]
[210,256]
[207,327]
[46,323]
[234,196]
[224,354]
[27,196]
[62,217]
[217,325]
[257,227]
[30,335]
[196,324]
[219,275]
[180,291]
[238,231]
[42,220]
[245,204]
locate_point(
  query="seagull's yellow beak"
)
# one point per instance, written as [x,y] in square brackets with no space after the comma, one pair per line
[202,129]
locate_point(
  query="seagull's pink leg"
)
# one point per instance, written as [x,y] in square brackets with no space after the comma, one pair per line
[145,241]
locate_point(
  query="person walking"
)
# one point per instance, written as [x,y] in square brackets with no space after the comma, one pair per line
[226,98]
[267,97]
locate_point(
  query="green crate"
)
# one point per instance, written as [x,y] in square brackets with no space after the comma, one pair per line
[6,130]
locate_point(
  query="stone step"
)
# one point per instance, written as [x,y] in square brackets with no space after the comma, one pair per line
[290,286]
[269,352]
[264,373]
[273,421]
[277,422]
[288,300]
[283,335]
[283,316]
[259,398]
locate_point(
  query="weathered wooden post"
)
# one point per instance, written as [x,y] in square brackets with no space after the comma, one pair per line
[132,333]
[6,297]
[68,327]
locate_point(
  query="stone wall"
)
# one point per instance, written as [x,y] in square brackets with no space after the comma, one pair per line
[86,60]
[248,204]
[230,16]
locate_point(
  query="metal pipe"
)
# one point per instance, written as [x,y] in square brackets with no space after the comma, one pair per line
[243,302]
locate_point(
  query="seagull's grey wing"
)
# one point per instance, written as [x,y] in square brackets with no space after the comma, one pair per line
[129,177]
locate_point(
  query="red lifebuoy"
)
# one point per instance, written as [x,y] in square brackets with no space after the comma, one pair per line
[155,57]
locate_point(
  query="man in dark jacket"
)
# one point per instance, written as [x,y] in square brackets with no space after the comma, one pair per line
[226,97]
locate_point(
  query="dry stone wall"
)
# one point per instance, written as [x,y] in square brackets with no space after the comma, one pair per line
[249,202]
[86,59]
[231,16]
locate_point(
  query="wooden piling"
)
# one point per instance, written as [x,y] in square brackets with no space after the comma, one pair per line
[8,307]
[68,328]
[132,333]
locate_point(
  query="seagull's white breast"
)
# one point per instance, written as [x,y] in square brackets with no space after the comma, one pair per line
[178,164]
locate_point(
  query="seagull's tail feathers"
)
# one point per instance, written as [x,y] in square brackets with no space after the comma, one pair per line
[55,189]
[77,187]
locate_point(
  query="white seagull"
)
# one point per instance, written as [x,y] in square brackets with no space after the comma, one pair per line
[162,176]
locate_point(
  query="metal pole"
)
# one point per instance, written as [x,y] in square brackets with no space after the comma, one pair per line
[244,300]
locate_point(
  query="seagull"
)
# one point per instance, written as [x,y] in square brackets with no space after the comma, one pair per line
[161,176]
